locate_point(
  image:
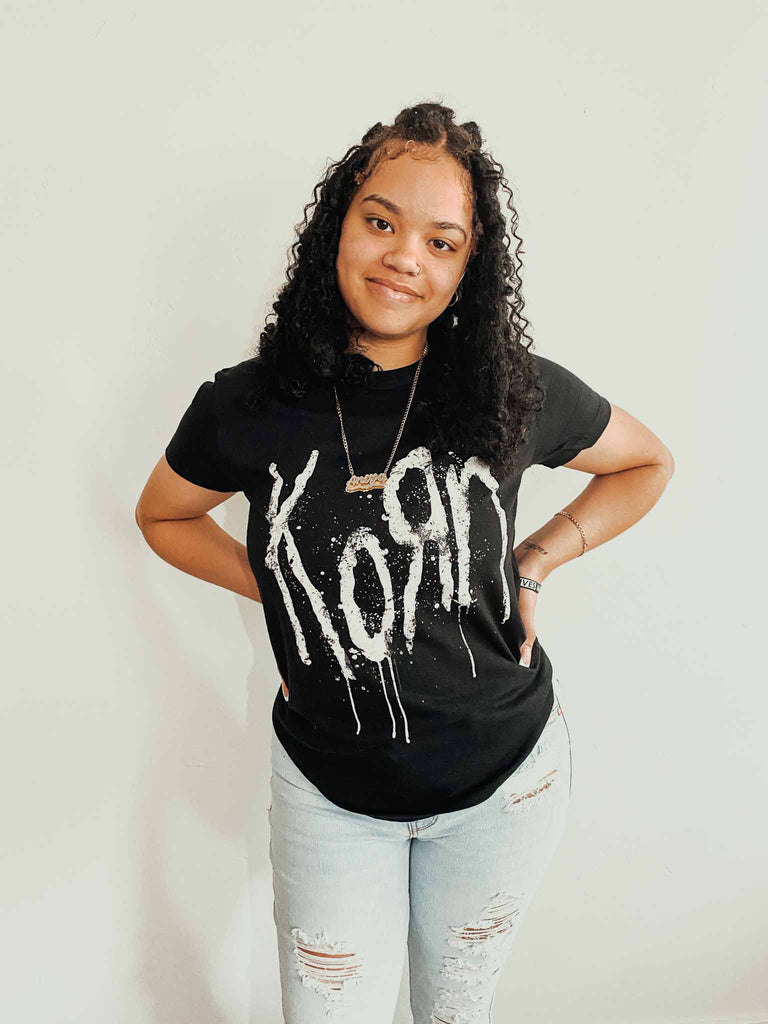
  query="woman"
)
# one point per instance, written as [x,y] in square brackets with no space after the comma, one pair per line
[421,764]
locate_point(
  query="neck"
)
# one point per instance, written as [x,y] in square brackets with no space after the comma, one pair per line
[391,355]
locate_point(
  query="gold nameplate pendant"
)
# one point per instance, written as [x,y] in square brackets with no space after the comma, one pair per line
[368,482]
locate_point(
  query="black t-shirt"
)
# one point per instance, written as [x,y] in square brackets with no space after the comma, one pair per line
[393,613]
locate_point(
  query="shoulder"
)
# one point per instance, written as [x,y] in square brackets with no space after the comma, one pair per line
[232,384]
[561,385]
[550,372]
[239,375]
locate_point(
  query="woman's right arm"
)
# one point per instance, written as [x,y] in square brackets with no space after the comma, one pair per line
[172,514]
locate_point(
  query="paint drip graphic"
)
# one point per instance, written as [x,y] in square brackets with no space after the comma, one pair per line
[412,538]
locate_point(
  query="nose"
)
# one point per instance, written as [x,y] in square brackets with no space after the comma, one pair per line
[403,259]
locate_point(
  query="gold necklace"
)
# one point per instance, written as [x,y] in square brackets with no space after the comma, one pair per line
[372,481]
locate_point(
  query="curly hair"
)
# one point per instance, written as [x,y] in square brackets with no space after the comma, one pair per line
[484,387]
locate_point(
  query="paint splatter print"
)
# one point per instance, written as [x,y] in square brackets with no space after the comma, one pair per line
[454,571]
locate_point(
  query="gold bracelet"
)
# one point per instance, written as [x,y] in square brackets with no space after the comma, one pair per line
[583,538]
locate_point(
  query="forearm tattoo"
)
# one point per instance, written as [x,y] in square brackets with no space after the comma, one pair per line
[535,547]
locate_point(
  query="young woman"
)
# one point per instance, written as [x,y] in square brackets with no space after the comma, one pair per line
[421,763]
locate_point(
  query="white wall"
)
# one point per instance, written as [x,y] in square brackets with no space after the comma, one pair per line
[155,160]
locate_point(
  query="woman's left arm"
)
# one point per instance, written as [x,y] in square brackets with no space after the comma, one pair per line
[630,467]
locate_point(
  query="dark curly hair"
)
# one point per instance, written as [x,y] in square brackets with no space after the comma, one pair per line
[484,387]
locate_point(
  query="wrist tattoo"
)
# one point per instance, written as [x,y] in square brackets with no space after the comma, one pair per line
[534,547]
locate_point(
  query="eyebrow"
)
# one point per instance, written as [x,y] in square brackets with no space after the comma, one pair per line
[444,225]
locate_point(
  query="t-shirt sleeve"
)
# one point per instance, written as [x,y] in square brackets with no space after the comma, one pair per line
[573,417]
[194,450]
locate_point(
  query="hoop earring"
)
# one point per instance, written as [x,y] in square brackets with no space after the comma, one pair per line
[455,298]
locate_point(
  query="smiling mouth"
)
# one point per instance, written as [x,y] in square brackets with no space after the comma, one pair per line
[390,293]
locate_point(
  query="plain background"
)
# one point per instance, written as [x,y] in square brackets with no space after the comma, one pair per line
[155,159]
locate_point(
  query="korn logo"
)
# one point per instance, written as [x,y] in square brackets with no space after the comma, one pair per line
[377,646]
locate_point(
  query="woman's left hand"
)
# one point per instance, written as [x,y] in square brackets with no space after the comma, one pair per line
[527,604]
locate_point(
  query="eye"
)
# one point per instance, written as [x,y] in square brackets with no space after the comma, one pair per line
[381,220]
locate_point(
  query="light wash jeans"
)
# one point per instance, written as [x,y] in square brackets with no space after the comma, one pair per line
[353,893]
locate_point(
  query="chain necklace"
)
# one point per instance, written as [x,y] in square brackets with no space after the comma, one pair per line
[372,481]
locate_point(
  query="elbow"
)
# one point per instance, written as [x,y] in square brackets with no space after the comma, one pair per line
[140,522]
[668,461]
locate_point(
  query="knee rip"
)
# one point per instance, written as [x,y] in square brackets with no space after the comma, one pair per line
[328,968]
[484,942]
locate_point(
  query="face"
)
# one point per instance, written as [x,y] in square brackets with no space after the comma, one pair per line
[416,234]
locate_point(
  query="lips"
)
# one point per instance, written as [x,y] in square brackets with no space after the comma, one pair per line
[392,290]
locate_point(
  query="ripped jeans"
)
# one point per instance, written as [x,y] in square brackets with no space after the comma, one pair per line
[353,893]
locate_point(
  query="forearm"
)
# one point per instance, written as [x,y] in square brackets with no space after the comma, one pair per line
[201,548]
[608,505]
